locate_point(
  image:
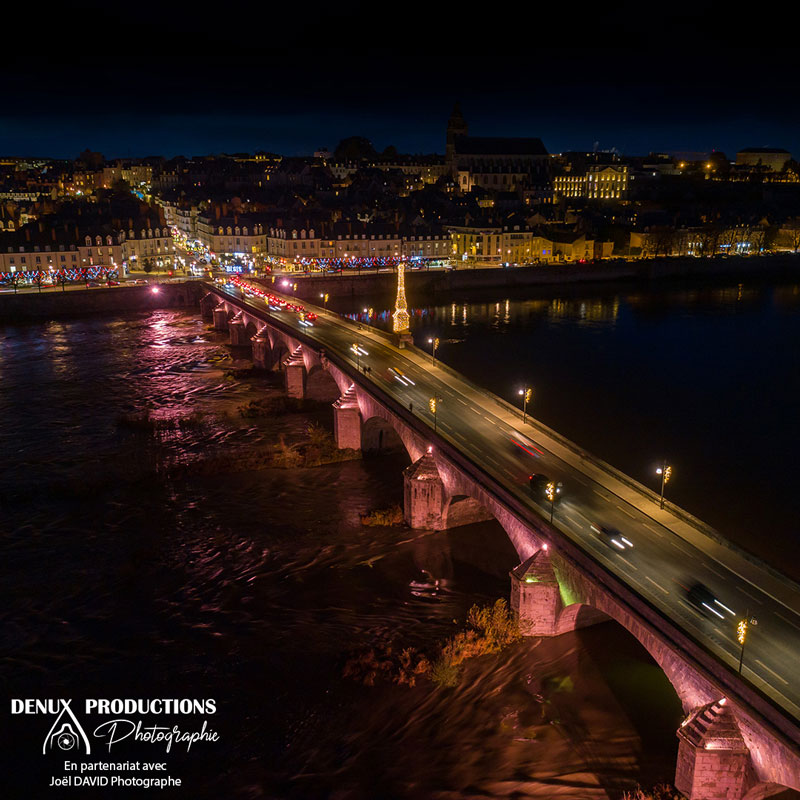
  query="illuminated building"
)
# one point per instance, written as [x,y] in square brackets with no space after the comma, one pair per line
[772,158]
[243,234]
[147,245]
[598,182]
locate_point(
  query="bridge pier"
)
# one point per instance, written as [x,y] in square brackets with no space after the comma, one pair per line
[713,759]
[261,350]
[295,369]
[238,332]
[220,316]
[207,305]
[535,595]
[347,420]
[423,494]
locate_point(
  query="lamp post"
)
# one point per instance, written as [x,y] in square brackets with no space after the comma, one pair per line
[741,635]
[433,404]
[550,492]
[357,350]
[527,395]
[665,471]
[324,300]
[434,342]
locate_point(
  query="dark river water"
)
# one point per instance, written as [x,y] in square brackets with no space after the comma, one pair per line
[144,554]
[705,377]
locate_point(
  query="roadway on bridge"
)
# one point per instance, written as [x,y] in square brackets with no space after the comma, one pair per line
[661,564]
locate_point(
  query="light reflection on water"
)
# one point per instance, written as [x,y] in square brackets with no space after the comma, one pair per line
[123,578]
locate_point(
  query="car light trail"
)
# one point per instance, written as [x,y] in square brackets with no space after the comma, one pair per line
[522,447]
[713,610]
[732,613]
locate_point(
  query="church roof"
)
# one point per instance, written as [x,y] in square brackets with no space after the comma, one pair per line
[498,145]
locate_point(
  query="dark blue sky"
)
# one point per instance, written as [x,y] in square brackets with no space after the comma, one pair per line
[184,80]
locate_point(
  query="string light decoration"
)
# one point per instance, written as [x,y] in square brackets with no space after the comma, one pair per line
[53,277]
[400,316]
[338,264]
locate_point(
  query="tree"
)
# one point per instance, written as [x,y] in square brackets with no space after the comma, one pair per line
[147,265]
[790,233]
[390,152]
[121,186]
[354,148]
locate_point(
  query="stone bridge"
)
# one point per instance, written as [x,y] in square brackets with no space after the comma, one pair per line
[732,744]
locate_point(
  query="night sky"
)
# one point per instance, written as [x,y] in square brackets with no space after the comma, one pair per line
[180,78]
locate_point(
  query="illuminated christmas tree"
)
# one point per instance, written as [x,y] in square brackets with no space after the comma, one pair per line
[401,307]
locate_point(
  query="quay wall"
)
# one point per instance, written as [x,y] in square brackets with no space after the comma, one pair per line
[52,303]
[441,281]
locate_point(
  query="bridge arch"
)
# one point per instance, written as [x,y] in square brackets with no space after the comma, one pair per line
[462,509]
[280,352]
[321,385]
[582,615]
[776,791]
[379,435]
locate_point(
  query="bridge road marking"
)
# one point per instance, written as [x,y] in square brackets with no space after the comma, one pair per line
[717,573]
[771,671]
[657,585]
[655,530]
[754,599]
[787,621]
[628,513]
[633,566]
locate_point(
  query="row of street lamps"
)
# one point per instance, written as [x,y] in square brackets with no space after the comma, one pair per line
[553,489]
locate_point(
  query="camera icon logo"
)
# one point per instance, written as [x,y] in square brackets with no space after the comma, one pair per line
[66,735]
[65,738]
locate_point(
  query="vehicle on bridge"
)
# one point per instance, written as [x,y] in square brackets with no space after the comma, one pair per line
[704,600]
[612,537]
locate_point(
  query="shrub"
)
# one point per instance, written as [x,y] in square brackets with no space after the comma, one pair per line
[660,792]
[386,516]
[491,628]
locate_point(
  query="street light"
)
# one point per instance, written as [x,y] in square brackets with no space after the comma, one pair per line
[357,350]
[741,635]
[527,395]
[435,343]
[324,299]
[665,471]
[432,404]
[551,492]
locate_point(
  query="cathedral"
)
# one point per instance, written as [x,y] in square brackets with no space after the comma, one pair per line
[495,163]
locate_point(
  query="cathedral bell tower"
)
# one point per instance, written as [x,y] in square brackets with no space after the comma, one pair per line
[456,126]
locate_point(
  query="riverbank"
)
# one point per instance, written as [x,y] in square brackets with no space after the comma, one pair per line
[443,282]
[52,303]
